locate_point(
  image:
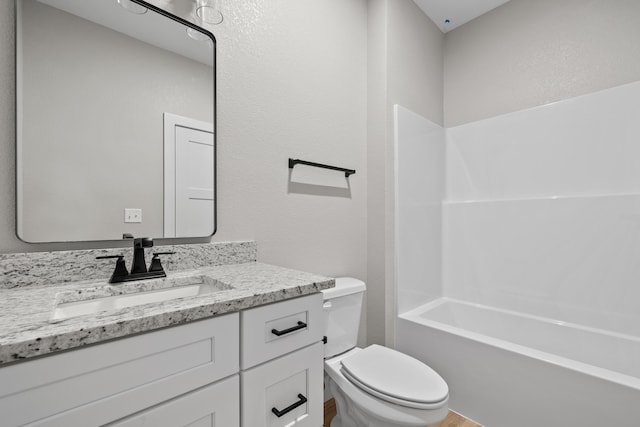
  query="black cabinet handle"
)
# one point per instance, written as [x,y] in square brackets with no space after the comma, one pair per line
[290,408]
[301,325]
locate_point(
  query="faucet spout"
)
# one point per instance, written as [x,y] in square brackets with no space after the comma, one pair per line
[139,264]
[139,268]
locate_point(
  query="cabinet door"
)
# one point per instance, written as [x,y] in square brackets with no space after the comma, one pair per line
[285,391]
[216,405]
[99,384]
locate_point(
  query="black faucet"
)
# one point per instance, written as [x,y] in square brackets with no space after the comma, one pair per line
[138,266]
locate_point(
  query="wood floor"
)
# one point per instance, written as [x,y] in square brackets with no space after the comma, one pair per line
[456,420]
[452,420]
[329,411]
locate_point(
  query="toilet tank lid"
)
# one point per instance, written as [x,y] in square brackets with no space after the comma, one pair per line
[344,286]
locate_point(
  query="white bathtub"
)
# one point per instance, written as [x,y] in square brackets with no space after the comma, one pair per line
[508,369]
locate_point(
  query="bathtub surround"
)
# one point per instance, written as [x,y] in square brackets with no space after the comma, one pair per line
[571,345]
[520,55]
[53,268]
[539,261]
[522,237]
[501,384]
[419,189]
[543,208]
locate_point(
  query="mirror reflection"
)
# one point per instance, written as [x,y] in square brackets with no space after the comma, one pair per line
[115,122]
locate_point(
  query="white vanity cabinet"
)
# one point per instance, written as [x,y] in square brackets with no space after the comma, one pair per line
[225,371]
[282,364]
[96,385]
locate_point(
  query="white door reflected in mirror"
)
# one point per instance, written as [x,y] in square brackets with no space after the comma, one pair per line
[189,177]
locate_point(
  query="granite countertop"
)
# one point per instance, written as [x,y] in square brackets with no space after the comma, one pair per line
[27,328]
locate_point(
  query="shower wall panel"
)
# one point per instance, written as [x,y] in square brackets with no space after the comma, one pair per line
[419,156]
[588,145]
[542,213]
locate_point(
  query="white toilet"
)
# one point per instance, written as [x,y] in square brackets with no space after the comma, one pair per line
[375,386]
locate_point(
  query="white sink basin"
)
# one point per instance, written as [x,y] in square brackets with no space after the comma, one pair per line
[116,297]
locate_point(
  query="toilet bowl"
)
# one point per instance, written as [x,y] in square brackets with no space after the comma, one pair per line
[375,386]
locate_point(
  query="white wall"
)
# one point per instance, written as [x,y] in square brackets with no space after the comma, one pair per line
[291,83]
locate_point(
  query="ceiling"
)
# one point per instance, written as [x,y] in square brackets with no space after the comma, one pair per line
[151,28]
[457,12]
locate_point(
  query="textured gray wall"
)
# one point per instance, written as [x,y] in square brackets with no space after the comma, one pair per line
[527,53]
[405,67]
[291,83]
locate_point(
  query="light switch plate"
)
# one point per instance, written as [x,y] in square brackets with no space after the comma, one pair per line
[132,215]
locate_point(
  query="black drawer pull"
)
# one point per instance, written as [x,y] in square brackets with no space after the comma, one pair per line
[301,325]
[288,409]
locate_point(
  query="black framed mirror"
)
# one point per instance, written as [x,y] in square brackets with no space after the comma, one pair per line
[115,122]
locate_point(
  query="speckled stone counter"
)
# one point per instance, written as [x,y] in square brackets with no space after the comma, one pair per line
[27,329]
[50,268]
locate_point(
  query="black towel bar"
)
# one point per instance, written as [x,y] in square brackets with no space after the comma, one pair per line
[347,172]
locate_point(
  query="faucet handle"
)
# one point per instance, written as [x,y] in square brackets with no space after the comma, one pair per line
[120,271]
[156,265]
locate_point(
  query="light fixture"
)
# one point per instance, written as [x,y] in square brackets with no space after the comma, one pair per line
[208,11]
[132,7]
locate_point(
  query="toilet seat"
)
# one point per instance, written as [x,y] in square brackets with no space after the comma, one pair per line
[387,413]
[396,378]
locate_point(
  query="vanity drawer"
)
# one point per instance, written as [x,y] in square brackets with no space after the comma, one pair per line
[214,405]
[291,384]
[276,329]
[95,385]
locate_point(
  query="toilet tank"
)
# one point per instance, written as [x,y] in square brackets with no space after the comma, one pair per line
[342,307]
